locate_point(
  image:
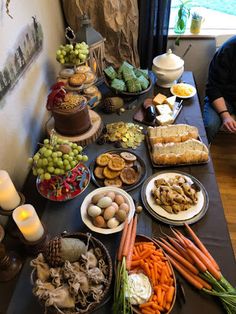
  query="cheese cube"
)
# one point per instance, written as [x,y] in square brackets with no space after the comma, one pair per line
[170,101]
[164,119]
[159,99]
[163,109]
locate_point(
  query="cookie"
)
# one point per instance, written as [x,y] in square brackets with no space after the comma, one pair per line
[66,73]
[103,159]
[128,156]
[90,77]
[110,174]
[77,79]
[98,172]
[129,176]
[116,163]
[83,69]
[113,182]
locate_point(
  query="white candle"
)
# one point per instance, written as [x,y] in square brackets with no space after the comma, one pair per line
[28,222]
[9,197]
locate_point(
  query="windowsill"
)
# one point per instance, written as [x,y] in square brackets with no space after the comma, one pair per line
[204,34]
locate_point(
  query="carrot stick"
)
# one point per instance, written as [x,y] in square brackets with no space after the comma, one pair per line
[132,241]
[182,270]
[197,261]
[201,246]
[180,249]
[204,259]
[122,241]
[127,239]
[182,260]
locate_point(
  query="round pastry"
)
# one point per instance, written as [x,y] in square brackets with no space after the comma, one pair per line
[77,79]
[110,174]
[128,156]
[98,172]
[116,163]
[90,77]
[91,90]
[83,69]
[114,182]
[65,73]
[129,176]
[103,159]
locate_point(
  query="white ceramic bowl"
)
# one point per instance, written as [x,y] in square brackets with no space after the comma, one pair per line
[87,220]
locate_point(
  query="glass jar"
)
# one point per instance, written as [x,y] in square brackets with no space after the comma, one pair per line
[195,26]
[180,24]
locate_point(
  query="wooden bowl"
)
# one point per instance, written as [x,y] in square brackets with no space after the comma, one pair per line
[143,238]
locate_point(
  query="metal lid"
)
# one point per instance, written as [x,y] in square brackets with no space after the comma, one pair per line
[168,61]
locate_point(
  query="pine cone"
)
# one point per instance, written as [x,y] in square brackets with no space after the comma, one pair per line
[112,104]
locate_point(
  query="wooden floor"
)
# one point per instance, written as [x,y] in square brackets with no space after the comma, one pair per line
[223,152]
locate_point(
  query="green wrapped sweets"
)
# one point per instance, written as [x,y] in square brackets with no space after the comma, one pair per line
[143,81]
[110,72]
[118,85]
[134,86]
[128,74]
[141,72]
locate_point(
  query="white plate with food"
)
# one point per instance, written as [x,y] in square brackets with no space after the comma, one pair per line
[183,90]
[105,209]
[175,197]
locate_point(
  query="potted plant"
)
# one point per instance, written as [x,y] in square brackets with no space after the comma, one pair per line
[196,23]
[182,17]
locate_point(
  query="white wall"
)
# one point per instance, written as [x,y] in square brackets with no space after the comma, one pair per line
[23,114]
[197,59]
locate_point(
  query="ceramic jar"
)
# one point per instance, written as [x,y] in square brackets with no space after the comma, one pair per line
[168,68]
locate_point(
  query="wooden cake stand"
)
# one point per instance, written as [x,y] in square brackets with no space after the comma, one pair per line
[84,139]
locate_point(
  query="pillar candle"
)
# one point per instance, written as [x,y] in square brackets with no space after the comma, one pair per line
[28,222]
[9,197]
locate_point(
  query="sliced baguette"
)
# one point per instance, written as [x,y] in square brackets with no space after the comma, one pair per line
[172,133]
[190,151]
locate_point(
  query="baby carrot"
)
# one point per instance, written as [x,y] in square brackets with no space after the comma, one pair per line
[201,246]
[170,294]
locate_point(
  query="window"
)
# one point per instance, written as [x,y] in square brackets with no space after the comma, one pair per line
[218,14]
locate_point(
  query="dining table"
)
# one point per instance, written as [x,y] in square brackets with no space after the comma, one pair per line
[16,295]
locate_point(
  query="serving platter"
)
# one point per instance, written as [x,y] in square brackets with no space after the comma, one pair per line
[184,85]
[160,166]
[87,200]
[190,216]
[139,165]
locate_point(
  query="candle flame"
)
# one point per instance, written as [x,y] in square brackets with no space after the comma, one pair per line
[24,215]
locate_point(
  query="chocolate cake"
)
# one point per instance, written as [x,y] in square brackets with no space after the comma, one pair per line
[69,110]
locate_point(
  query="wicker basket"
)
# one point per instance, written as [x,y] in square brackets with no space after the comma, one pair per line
[93,243]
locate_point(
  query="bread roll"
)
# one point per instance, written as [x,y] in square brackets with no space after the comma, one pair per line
[190,151]
[175,133]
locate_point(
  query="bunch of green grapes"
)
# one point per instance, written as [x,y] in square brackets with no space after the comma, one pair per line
[73,54]
[56,158]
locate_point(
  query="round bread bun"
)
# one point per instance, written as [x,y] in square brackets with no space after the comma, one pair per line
[77,79]
[82,69]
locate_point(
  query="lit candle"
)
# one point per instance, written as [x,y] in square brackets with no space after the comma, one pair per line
[9,197]
[28,222]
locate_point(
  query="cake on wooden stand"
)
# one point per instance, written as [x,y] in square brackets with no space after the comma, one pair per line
[71,118]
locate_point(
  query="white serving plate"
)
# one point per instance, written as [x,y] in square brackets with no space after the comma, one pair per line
[87,220]
[185,85]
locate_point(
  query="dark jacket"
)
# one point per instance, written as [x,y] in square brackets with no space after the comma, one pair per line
[222,72]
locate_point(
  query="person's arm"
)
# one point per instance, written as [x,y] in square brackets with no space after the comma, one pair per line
[228,122]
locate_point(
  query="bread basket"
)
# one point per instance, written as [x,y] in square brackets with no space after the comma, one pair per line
[104,263]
